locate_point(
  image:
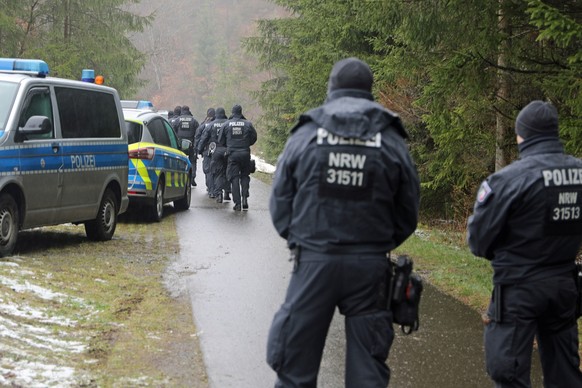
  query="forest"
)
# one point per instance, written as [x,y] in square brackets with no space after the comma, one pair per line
[456,71]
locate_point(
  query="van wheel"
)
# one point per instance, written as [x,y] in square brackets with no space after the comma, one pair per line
[157,210]
[184,202]
[8,224]
[103,226]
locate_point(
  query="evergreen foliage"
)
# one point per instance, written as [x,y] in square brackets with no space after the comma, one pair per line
[72,35]
[457,71]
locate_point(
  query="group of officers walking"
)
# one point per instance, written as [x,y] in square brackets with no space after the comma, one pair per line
[224,145]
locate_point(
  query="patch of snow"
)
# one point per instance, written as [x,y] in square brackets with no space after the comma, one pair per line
[36,336]
[32,374]
[35,348]
[9,264]
[263,166]
[41,292]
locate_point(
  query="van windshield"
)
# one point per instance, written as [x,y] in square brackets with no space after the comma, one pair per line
[7,94]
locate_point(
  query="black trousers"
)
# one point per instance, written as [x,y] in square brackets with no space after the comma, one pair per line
[544,310]
[218,170]
[238,174]
[193,159]
[207,174]
[320,283]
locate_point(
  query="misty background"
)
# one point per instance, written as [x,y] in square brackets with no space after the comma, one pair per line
[194,54]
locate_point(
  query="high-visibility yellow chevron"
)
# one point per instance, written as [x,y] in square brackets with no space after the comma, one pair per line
[142,170]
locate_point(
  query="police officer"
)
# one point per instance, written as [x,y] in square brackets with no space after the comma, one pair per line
[176,115]
[527,221]
[240,135]
[185,126]
[202,149]
[219,158]
[345,193]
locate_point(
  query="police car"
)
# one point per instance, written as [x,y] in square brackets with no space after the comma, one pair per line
[63,152]
[137,104]
[159,172]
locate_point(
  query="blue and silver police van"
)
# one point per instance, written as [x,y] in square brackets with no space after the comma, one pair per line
[63,153]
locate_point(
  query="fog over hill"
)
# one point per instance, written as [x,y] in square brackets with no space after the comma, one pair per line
[195,56]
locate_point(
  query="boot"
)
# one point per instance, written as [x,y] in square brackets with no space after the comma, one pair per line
[236,208]
[226,196]
[245,204]
[219,198]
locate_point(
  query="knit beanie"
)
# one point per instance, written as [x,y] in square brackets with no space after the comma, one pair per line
[220,113]
[537,118]
[237,110]
[350,73]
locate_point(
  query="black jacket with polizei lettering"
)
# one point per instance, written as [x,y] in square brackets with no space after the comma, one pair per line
[239,134]
[345,181]
[527,217]
[211,134]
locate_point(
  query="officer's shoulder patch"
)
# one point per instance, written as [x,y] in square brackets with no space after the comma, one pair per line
[484,192]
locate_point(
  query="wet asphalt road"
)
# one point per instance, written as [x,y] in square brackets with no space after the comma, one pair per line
[234,267]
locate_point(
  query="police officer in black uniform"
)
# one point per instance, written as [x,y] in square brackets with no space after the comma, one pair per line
[527,221]
[185,126]
[345,193]
[240,135]
[203,150]
[176,115]
[217,144]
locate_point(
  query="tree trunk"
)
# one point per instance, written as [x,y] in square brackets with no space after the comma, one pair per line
[503,92]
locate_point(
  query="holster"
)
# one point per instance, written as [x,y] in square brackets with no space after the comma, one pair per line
[404,295]
[295,256]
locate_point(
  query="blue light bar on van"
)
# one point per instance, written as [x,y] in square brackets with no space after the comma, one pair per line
[88,75]
[36,66]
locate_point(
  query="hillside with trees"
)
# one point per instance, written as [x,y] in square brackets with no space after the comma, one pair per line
[194,55]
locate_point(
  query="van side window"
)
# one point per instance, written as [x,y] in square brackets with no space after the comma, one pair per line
[159,133]
[38,103]
[87,113]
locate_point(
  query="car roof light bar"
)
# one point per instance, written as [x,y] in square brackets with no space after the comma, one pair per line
[30,66]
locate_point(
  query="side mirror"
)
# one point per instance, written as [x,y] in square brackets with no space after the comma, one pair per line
[37,125]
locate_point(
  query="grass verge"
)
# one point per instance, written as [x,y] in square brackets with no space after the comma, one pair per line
[449,266]
[101,313]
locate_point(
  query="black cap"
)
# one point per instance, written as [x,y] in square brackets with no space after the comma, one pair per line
[178,110]
[237,110]
[350,73]
[220,112]
[537,118]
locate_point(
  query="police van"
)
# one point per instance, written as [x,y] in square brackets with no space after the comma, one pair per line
[63,153]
